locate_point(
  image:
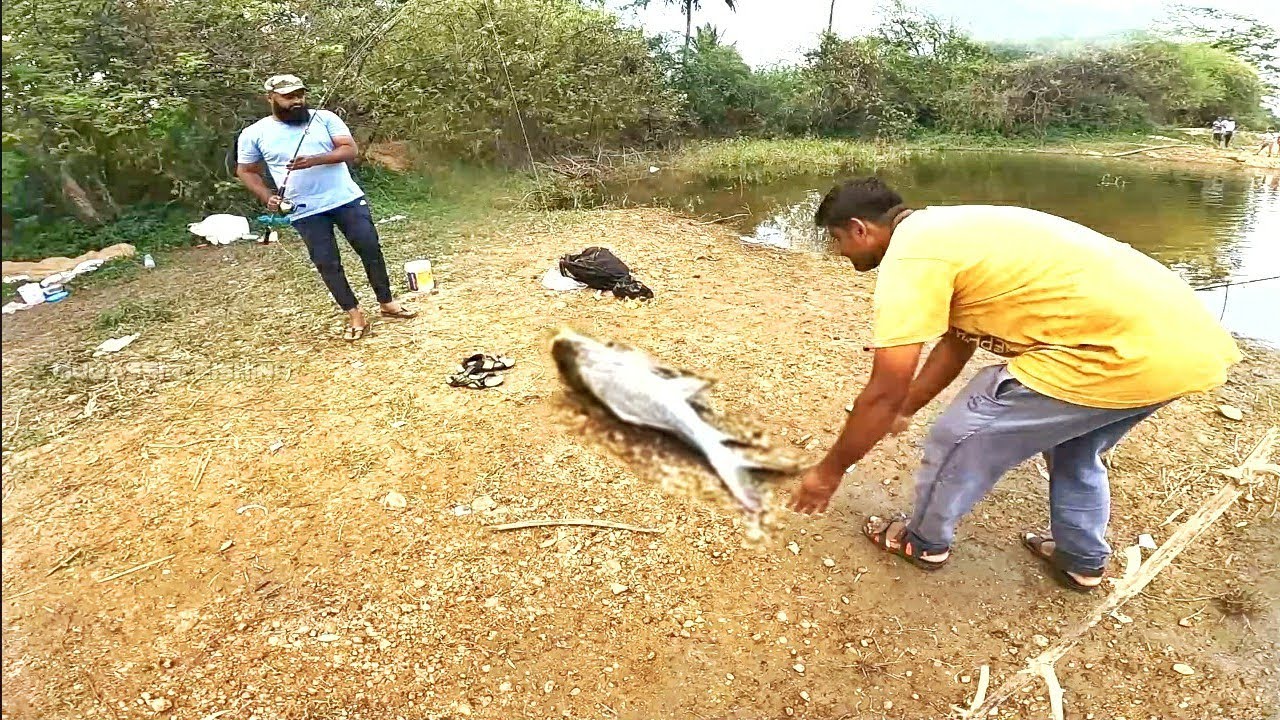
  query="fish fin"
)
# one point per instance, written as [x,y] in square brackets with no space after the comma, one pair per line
[689,386]
[738,475]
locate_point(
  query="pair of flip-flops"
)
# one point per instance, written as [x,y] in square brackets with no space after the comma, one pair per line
[481,371]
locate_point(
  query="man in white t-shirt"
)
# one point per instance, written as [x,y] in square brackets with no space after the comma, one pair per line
[307,152]
[1228,130]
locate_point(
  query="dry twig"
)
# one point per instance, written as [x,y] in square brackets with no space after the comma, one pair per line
[136,568]
[587,523]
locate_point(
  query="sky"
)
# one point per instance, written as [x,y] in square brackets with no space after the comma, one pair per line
[771,31]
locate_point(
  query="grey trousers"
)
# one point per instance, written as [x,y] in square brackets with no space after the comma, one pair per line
[996,423]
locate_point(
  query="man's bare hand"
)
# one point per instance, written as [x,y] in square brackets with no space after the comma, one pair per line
[273,203]
[814,491]
[302,162]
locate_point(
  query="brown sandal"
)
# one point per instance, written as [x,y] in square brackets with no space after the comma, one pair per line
[1034,543]
[353,333]
[877,531]
[402,314]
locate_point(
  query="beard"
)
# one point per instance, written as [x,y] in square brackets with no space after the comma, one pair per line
[296,115]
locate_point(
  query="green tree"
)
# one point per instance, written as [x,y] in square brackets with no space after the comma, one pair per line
[687,8]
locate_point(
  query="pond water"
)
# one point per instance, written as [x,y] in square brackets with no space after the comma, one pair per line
[1211,225]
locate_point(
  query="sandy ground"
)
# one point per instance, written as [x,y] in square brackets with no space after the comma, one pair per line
[247,454]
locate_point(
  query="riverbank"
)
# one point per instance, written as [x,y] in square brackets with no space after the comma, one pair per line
[240,457]
[755,160]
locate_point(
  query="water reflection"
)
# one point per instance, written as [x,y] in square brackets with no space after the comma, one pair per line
[1211,225]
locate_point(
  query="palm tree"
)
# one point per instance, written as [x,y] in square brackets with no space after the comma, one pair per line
[688,6]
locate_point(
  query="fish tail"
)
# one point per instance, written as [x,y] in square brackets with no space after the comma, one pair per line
[737,473]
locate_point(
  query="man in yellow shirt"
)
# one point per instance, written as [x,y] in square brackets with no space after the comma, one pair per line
[1099,337]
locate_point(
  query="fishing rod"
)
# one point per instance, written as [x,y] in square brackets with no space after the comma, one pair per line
[285,207]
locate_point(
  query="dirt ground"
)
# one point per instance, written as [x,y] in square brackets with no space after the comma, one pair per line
[243,455]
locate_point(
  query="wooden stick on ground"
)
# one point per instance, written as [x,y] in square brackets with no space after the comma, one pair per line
[204,462]
[1146,149]
[136,568]
[588,523]
[1243,478]
[64,562]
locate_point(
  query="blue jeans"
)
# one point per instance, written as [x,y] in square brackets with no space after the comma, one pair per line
[356,223]
[996,423]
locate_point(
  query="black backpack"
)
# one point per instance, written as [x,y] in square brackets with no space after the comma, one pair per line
[598,268]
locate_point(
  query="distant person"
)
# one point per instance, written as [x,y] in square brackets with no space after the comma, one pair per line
[1270,143]
[1217,131]
[311,148]
[1228,131]
[1087,363]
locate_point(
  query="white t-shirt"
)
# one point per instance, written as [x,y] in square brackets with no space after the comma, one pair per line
[315,189]
[1229,126]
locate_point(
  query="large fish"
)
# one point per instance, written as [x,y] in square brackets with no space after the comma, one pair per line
[638,391]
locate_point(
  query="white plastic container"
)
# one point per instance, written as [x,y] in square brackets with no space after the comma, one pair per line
[418,276]
[31,293]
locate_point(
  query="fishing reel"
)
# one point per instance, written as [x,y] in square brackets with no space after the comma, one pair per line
[285,207]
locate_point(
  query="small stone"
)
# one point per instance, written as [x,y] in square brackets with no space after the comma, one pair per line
[483,503]
[548,687]
[504,687]
[804,695]
[575,691]
[1040,640]
[781,616]
[828,562]
[966,679]
[1231,412]
[612,565]
[793,547]
[1146,542]
[159,704]
[327,637]
[798,667]
[1183,669]
[395,501]
[888,704]
[599,509]
[618,588]
[1185,622]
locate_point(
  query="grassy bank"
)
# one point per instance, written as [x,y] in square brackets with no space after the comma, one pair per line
[459,191]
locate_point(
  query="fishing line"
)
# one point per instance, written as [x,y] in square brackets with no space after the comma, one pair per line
[1236,282]
[285,206]
[511,90]
[1226,290]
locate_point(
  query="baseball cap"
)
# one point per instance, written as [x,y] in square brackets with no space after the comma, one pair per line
[284,84]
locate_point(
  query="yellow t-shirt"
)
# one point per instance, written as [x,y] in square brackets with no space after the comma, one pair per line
[1086,319]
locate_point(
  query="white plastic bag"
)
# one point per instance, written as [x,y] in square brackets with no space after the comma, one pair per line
[556,280]
[221,229]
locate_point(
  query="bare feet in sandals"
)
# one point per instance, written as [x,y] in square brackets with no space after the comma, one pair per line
[357,325]
[395,310]
[890,535]
[1042,547]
